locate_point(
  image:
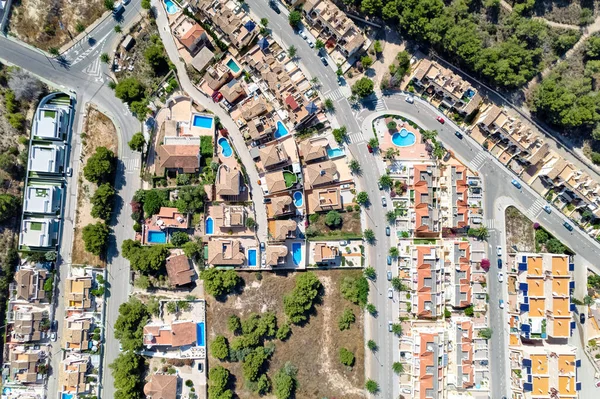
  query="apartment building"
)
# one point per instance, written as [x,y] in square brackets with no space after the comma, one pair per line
[72,374]
[426,283]
[424,195]
[43,198]
[39,233]
[544,284]
[428,366]
[460,294]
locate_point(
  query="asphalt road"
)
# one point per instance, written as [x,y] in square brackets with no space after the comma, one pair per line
[83,74]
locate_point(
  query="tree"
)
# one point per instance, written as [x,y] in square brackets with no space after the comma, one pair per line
[140,109]
[295,18]
[370,273]
[190,199]
[371,309]
[79,27]
[24,86]
[554,246]
[153,201]
[346,357]
[377,47]
[9,206]
[234,324]
[146,5]
[329,106]
[109,5]
[363,87]
[346,319]
[398,368]
[398,285]
[370,7]
[371,386]
[102,201]
[264,22]
[356,290]
[95,238]
[145,259]
[481,233]
[219,282]
[319,44]
[485,333]
[128,370]
[129,90]
[129,326]
[283,332]
[179,238]
[263,385]
[438,150]
[218,378]
[403,67]
[250,223]
[155,55]
[100,167]
[541,236]
[372,345]
[292,51]
[285,381]
[253,363]
[354,166]
[54,51]
[366,61]
[429,135]
[469,312]
[386,181]
[394,253]
[340,134]
[298,303]
[137,142]
[374,143]
[397,329]
[369,235]
[105,58]
[333,219]
[219,347]
[118,29]
[362,198]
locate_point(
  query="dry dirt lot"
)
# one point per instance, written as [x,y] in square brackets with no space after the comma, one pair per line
[351,226]
[519,231]
[99,132]
[37,21]
[313,348]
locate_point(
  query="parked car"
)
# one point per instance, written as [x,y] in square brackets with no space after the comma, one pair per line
[389,275]
[568,226]
[310,43]
[324,61]
[389,260]
[274,7]
[499,250]
[370,149]
[499,263]
[516,183]
[53,337]
[410,99]
[383,202]
[501,304]
[302,34]
[387,231]
[440,120]
[69,171]
[379,185]
[458,134]
[54,326]
[390,293]
[262,246]
[582,318]
[390,326]
[548,209]
[500,277]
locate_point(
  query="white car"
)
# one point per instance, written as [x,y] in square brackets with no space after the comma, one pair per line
[53,337]
[499,250]
[310,43]
[500,277]
[501,304]
[410,99]
[69,171]
[390,293]
[302,34]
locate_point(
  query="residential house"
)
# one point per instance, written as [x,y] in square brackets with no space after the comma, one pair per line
[24,362]
[461,334]
[76,332]
[275,182]
[459,197]
[261,129]
[448,87]
[461,293]
[280,230]
[161,386]
[191,35]
[177,335]
[172,218]
[51,123]
[427,301]
[77,293]
[72,374]
[228,219]
[324,199]
[28,323]
[228,181]
[233,91]
[225,252]
[425,183]
[312,151]
[428,368]
[179,270]
[42,198]
[276,255]
[320,174]
[28,285]
[273,155]
[39,233]
[47,159]
[280,206]
[179,158]
[202,59]
[323,252]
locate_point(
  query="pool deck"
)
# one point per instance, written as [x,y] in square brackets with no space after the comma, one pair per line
[417,151]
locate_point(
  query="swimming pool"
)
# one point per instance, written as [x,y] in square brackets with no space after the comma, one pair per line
[205,122]
[403,138]
[171,7]
[157,237]
[200,334]
[66,395]
[231,64]
[335,152]
[210,225]
[297,253]
[281,130]
[225,147]
[252,257]
[298,198]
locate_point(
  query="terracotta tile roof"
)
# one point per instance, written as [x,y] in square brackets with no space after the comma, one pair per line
[280,229]
[179,270]
[279,206]
[179,333]
[321,173]
[228,181]
[185,157]
[324,252]
[192,36]
[233,91]
[161,386]
[274,253]
[311,152]
[275,181]
[291,102]
[272,155]
[225,252]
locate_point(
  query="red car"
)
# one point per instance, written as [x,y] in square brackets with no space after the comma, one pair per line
[217,97]
[440,120]
[370,149]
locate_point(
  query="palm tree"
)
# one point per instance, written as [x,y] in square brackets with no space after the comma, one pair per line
[429,135]
[398,368]
[292,51]
[329,105]
[391,216]
[354,166]
[264,22]
[394,253]
[482,233]
[438,150]
[588,300]
[369,235]
[374,143]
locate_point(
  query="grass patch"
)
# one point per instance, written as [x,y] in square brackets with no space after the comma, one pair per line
[424,242]
[290,179]
[35,226]
[349,229]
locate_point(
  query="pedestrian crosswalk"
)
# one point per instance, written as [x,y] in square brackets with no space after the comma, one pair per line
[131,165]
[491,224]
[335,95]
[479,160]
[356,137]
[534,210]
[94,70]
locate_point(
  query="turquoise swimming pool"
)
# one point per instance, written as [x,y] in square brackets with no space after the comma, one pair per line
[171,7]
[203,121]
[403,138]
[298,199]
[226,149]
[297,253]
[231,64]
[334,152]
[210,225]
[252,257]
[281,130]
[200,334]
[157,237]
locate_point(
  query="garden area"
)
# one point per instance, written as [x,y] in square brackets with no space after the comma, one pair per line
[262,342]
[335,225]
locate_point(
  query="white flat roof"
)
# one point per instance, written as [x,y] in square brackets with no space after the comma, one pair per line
[36,232]
[45,158]
[42,199]
[48,121]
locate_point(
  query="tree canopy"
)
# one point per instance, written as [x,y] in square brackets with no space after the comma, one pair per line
[128,370]
[356,290]
[137,142]
[219,282]
[100,167]
[102,201]
[95,238]
[129,90]
[298,303]
[147,260]
[129,326]
[363,87]
[218,378]
[190,199]
[9,205]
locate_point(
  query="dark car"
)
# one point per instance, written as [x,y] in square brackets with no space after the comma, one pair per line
[582,318]
[568,226]
[274,6]
[499,263]
[324,61]
[387,231]
[458,134]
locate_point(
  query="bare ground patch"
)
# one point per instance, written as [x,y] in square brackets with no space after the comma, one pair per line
[519,231]
[312,348]
[37,21]
[99,132]
[350,228]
